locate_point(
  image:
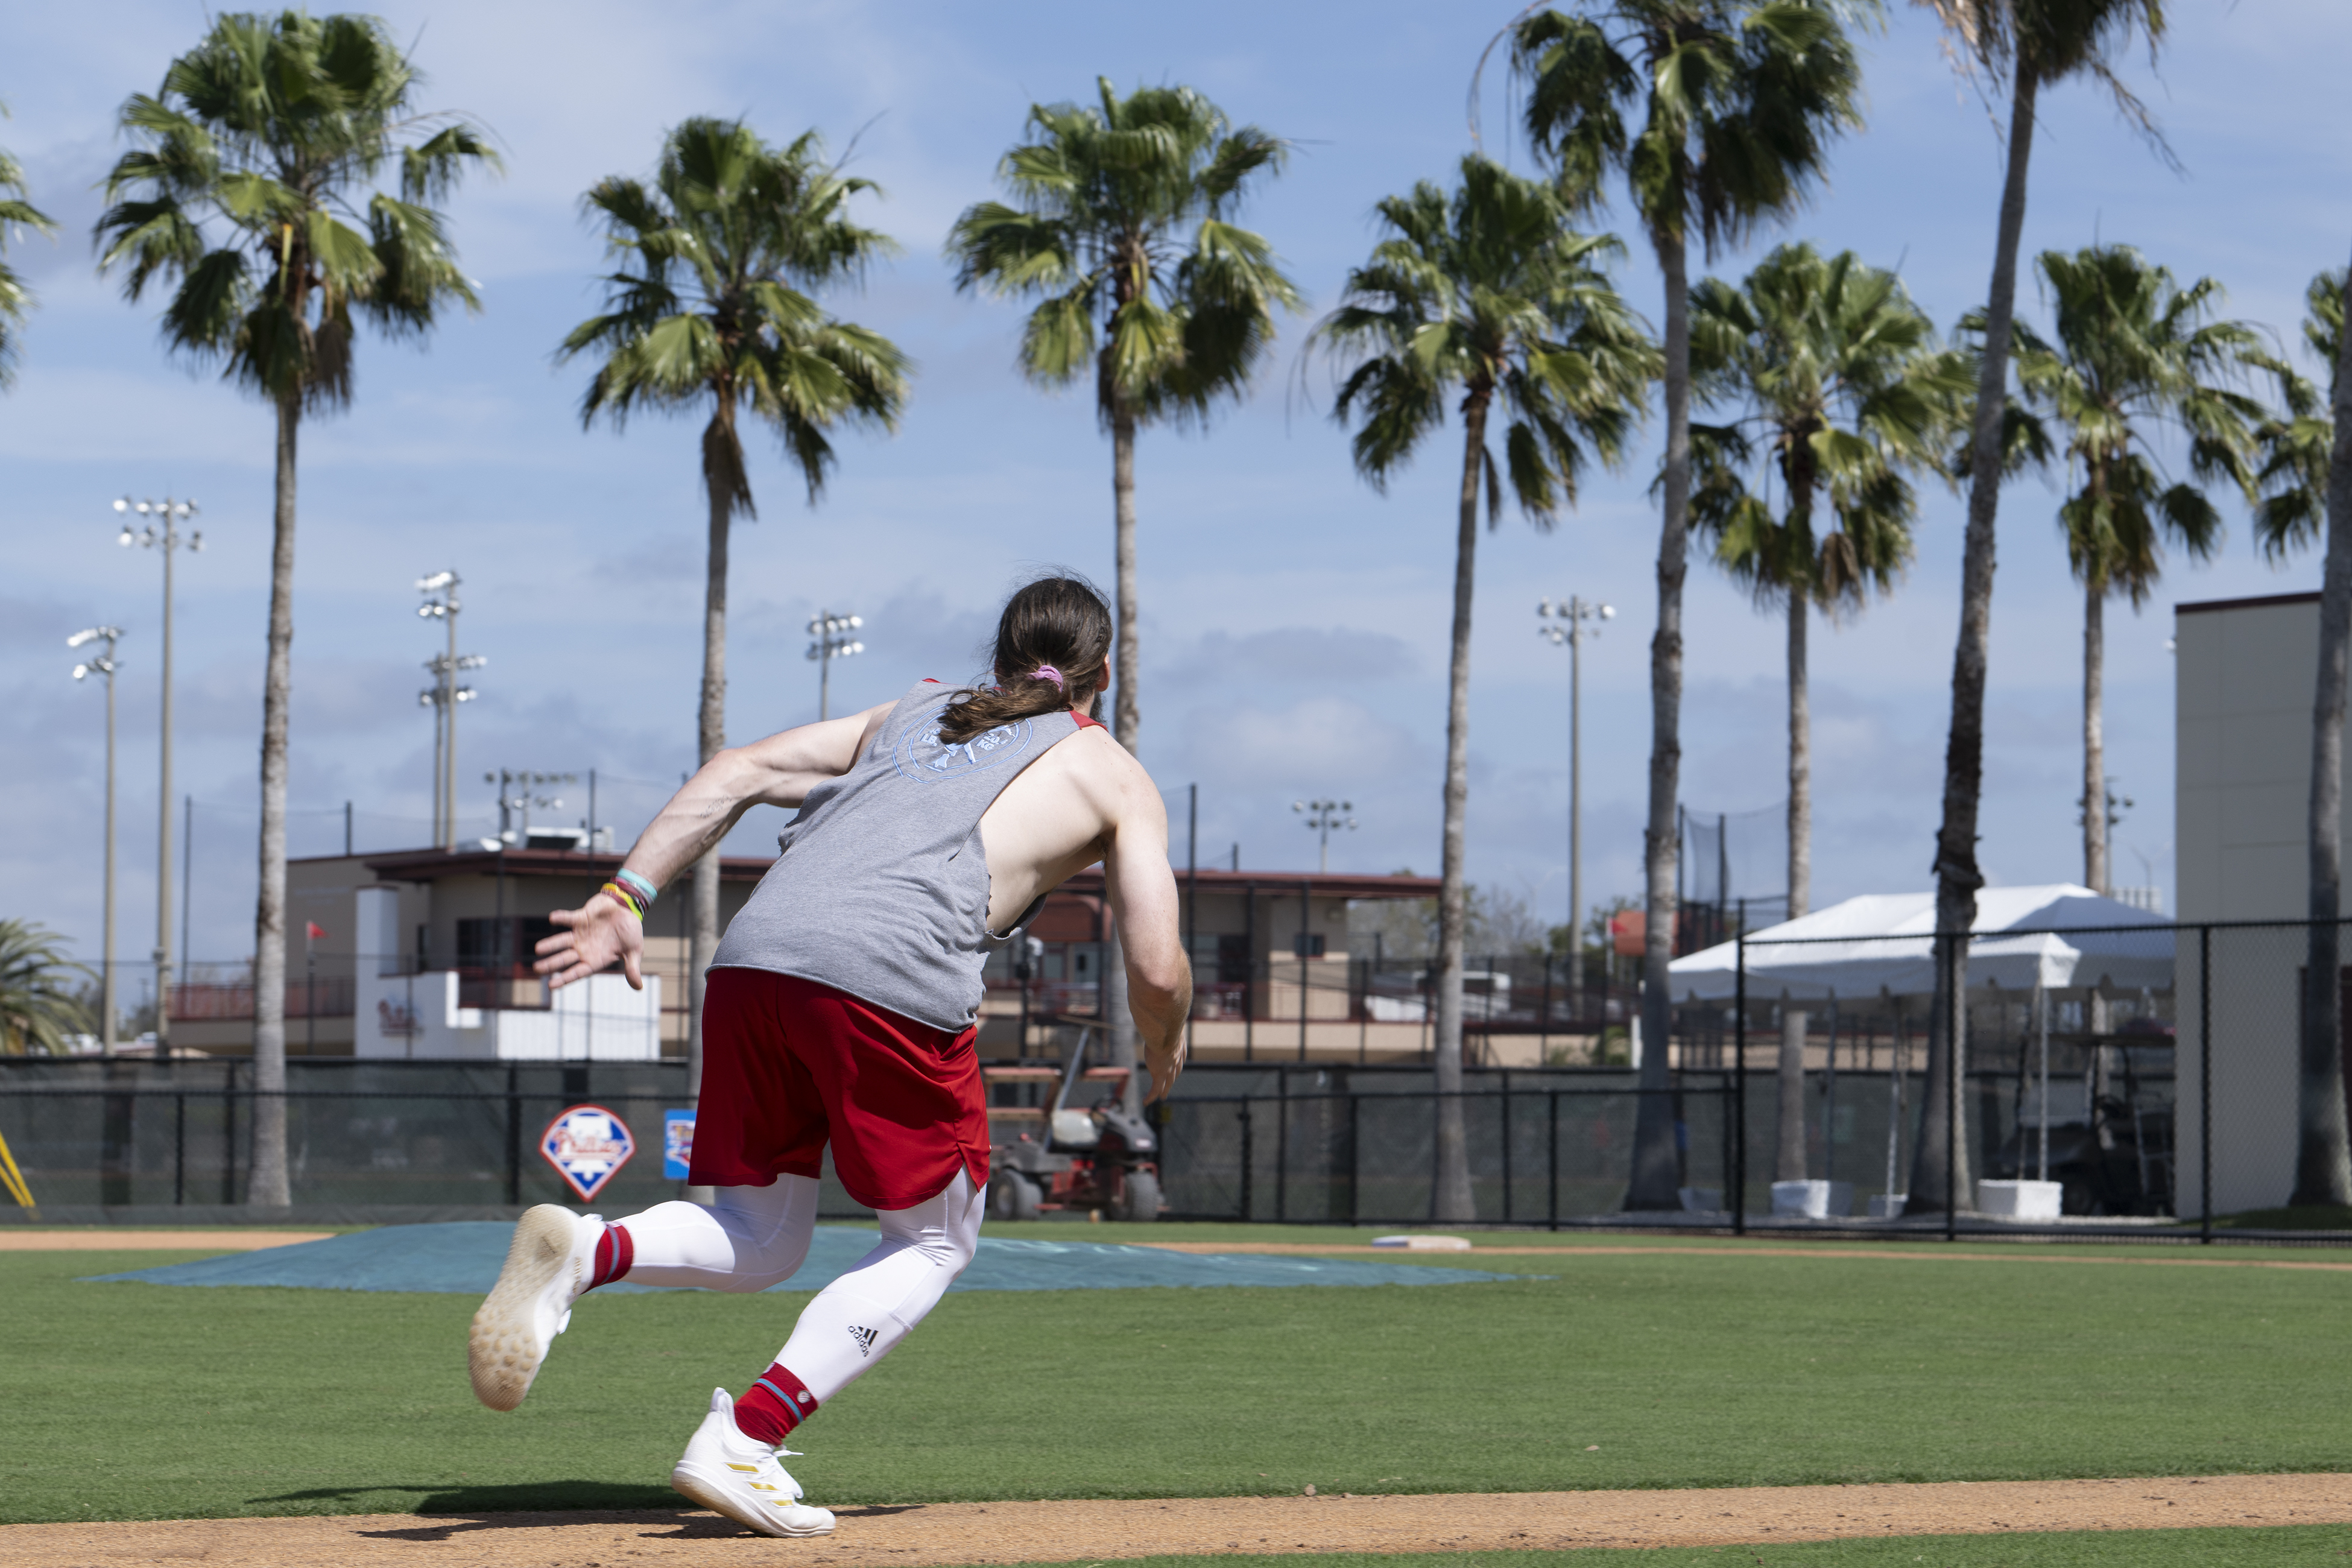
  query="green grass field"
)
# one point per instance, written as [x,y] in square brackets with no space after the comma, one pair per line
[2290,1546]
[131,1400]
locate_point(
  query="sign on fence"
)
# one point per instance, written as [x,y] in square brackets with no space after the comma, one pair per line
[586,1144]
[677,1143]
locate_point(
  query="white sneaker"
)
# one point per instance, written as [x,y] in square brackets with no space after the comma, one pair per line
[549,1265]
[726,1471]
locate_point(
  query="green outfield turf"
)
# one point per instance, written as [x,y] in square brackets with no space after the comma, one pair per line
[2285,1546]
[1650,1369]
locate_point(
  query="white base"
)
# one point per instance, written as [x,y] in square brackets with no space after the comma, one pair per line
[1812,1200]
[2018,1200]
[1424,1243]
[1888,1206]
[1700,1200]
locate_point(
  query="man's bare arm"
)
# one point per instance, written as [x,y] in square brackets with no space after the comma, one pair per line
[1142,892]
[777,771]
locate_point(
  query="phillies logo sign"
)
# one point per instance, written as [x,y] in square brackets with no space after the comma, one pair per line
[586,1144]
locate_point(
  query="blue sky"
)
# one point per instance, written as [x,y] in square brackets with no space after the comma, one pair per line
[1295,621]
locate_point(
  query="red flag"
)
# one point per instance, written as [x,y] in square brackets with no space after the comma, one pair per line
[314,930]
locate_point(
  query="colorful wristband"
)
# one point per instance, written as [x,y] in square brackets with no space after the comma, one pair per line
[624,898]
[647,892]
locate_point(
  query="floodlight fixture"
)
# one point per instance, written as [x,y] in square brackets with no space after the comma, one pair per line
[1323,818]
[832,642]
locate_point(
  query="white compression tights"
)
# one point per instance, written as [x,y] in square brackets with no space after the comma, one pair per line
[756,1236]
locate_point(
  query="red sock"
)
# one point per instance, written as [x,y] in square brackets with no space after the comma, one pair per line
[615,1253]
[772,1406]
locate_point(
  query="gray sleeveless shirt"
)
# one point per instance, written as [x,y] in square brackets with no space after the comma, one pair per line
[882,887]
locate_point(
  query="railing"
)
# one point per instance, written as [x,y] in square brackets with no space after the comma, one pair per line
[328,996]
[511,988]
[1519,995]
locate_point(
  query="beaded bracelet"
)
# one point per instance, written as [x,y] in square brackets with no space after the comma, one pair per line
[627,899]
[647,892]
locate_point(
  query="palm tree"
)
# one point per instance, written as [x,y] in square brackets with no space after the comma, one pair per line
[1833,368]
[1738,100]
[16,299]
[39,1011]
[1119,225]
[2297,443]
[711,308]
[2030,45]
[1485,296]
[254,185]
[2306,475]
[2134,352]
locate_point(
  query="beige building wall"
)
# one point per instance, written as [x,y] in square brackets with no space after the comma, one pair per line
[2244,681]
[2243,684]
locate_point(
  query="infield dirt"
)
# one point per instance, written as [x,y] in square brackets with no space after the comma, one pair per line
[957,1533]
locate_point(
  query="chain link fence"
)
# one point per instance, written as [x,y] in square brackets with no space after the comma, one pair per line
[2148,1081]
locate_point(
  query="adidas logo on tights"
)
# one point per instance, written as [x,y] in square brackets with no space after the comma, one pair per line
[865,1337]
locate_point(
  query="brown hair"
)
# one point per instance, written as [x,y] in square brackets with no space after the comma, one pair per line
[1059,620]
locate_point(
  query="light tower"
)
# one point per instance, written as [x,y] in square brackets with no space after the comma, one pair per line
[443,696]
[1567,621]
[832,634]
[511,804]
[102,664]
[1322,817]
[161,534]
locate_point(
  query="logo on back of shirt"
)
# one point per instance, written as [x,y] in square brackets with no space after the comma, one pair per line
[924,757]
[865,1337]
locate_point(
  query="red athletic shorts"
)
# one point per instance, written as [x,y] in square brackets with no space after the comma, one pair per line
[788,1064]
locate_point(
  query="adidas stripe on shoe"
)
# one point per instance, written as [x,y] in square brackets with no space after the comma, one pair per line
[739,1476]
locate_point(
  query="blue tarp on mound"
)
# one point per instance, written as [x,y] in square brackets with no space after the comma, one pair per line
[463,1258]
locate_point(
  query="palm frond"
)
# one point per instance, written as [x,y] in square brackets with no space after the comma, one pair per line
[247,169]
[39,1008]
[1839,374]
[1118,223]
[721,257]
[2134,351]
[1486,292]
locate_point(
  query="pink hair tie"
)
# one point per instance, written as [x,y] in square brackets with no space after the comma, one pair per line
[1047,672]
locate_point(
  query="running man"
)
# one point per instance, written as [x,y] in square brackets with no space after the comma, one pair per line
[842,1006]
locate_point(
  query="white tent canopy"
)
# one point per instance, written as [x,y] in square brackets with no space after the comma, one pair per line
[1886,941]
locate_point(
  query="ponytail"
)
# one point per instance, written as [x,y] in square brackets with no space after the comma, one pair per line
[1048,655]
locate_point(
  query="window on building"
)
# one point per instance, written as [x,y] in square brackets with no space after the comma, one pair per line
[479,947]
[1306,944]
[1233,958]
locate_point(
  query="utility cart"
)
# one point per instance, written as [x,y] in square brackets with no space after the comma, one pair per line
[1048,1158]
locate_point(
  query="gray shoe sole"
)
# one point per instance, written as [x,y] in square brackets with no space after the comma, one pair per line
[718,1496]
[503,1349]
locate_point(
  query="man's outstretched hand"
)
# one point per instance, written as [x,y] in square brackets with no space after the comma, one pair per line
[594,935]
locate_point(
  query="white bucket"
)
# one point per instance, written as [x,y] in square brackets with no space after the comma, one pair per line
[1812,1200]
[2018,1200]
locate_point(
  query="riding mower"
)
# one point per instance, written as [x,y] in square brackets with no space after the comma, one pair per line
[1049,1159]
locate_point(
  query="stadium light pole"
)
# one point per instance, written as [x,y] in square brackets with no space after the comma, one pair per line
[1566,623]
[1322,817]
[443,696]
[102,664]
[511,805]
[832,641]
[161,534]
